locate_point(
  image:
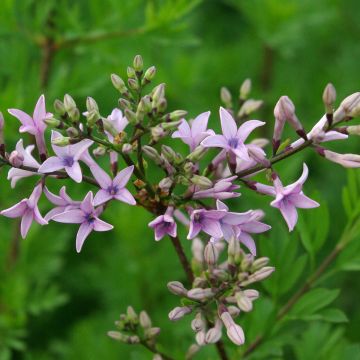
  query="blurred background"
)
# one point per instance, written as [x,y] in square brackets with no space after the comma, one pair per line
[56,304]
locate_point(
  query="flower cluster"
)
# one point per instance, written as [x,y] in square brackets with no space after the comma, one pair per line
[191,187]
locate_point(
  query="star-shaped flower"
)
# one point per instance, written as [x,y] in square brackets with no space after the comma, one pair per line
[67,157]
[87,216]
[28,210]
[164,224]
[233,138]
[192,134]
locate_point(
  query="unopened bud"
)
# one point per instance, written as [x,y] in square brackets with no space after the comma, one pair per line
[197,154]
[59,107]
[245,89]
[157,133]
[259,275]
[179,312]
[243,302]
[52,122]
[152,332]
[134,339]
[247,262]
[329,97]
[168,153]
[91,104]
[16,159]
[353,130]
[233,310]
[69,103]
[225,96]
[131,314]
[177,115]
[124,104]
[234,332]
[118,83]
[198,323]
[351,105]
[233,250]
[202,181]
[221,274]
[130,116]
[133,84]
[144,320]
[213,335]
[197,249]
[200,294]
[74,115]
[61,141]
[251,294]
[99,151]
[193,349]
[130,72]
[170,125]
[149,75]
[200,282]
[211,253]
[72,132]
[152,153]
[200,338]
[157,357]
[116,335]
[249,107]
[259,263]
[158,93]
[126,149]
[138,63]
[177,288]
[165,184]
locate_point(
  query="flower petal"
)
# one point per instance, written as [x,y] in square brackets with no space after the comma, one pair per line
[87,204]
[101,176]
[101,197]
[26,222]
[248,241]
[51,164]
[302,201]
[122,178]
[125,196]
[83,232]
[74,172]
[290,214]
[15,211]
[228,124]
[247,127]
[215,141]
[199,124]
[75,216]
[100,225]
[212,227]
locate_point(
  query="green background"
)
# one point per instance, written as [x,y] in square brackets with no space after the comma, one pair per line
[56,304]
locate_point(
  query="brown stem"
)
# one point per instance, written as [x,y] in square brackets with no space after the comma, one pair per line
[183,259]
[221,350]
[155,351]
[295,298]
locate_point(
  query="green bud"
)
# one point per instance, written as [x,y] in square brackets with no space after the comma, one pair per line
[131,116]
[118,83]
[74,115]
[138,64]
[127,149]
[329,98]
[158,132]
[188,168]
[202,181]
[131,315]
[152,153]
[161,106]
[124,104]
[72,132]
[168,152]
[52,122]
[259,263]
[91,104]
[249,107]
[61,141]
[116,335]
[158,93]
[92,117]
[170,125]
[99,151]
[131,72]
[225,96]
[152,332]
[145,320]
[149,75]
[245,89]
[177,114]
[197,154]
[133,84]
[59,107]
[69,103]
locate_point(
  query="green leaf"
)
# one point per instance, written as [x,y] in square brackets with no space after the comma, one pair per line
[334,315]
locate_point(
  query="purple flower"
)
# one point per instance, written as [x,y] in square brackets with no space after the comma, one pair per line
[28,210]
[223,189]
[288,198]
[207,221]
[240,225]
[16,174]
[62,201]
[233,138]
[87,216]
[112,188]
[67,157]
[193,134]
[34,125]
[164,225]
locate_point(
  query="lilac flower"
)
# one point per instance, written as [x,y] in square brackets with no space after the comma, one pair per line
[16,174]
[233,138]
[112,188]
[67,158]
[240,225]
[34,125]
[288,198]
[223,189]
[62,201]
[345,160]
[28,210]
[193,134]
[87,216]
[164,224]
[207,221]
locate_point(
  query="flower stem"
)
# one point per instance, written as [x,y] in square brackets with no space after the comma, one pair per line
[183,259]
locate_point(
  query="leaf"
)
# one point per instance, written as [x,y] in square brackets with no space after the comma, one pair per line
[313,301]
[334,315]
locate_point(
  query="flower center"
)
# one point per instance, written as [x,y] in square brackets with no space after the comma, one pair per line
[198,217]
[112,189]
[233,142]
[68,161]
[90,218]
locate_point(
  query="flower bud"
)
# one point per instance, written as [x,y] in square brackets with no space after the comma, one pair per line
[99,151]
[233,250]
[124,104]
[130,116]
[168,153]
[249,107]
[225,96]
[126,148]
[200,294]
[179,312]
[16,159]
[138,64]
[220,274]
[133,84]
[259,263]
[170,125]
[197,249]
[177,115]
[353,130]
[329,97]
[158,93]
[130,72]
[211,254]
[152,332]
[61,141]
[149,75]
[245,89]
[198,323]
[52,122]
[197,154]
[166,183]
[118,84]
[251,294]
[259,275]
[116,335]
[72,132]
[200,282]
[144,320]
[69,103]
[200,338]
[233,310]
[74,115]
[351,105]
[157,133]
[202,181]
[193,349]
[177,288]
[157,357]
[152,153]
[59,107]
[91,104]
[243,302]
[134,339]
[131,315]
[213,335]
[234,332]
